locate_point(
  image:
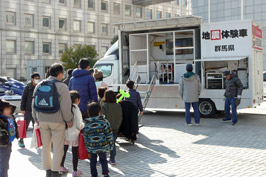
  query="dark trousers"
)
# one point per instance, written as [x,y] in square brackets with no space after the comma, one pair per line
[28,117]
[113,151]
[195,106]
[232,102]
[75,157]
[5,153]
[93,162]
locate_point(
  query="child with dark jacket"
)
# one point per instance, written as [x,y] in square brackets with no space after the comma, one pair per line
[8,132]
[134,96]
[113,113]
[98,138]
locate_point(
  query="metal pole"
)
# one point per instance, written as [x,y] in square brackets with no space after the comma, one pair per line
[242,9]
[180,8]
[209,11]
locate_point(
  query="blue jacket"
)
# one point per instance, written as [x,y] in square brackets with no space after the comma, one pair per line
[98,135]
[135,99]
[84,83]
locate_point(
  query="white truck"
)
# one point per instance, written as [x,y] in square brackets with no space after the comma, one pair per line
[154,54]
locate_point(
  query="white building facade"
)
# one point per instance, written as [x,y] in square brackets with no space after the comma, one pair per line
[38,31]
[229,10]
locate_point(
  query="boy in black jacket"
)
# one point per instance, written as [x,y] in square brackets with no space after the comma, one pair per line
[8,132]
[26,102]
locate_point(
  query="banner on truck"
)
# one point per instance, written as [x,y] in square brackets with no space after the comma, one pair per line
[226,39]
[256,37]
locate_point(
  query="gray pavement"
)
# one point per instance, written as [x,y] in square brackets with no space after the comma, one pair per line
[166,147]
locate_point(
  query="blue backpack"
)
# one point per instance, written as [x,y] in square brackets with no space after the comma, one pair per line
[46,97]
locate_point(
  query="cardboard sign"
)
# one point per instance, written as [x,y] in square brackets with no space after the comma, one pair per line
[158,43]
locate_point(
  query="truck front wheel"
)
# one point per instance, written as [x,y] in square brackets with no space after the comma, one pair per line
[206,108]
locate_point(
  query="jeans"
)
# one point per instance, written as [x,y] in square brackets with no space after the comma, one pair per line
[195,106]
[28,118]
[93,162]
[228,102]
[113,152]
[5,153]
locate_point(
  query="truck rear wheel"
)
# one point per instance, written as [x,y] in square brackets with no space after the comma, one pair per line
[207,108]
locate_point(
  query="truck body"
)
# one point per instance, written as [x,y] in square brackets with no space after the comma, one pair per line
[155,53]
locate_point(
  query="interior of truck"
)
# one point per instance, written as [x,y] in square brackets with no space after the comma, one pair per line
[156,54]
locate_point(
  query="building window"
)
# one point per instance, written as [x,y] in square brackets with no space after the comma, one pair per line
[91,27]
[91,4]
[168,15]
[11,18]
[128,10]
[46,22]
[62,24]
[46,1]
[149,13]
[29,47]
[62,48]
[115,29]
[176,2]
[28,20]
[46,48]
[62,2]
[11,72]
[77,3]
[104,49]
[104,5]
[11,46]
[76,25]
[139,12]
[116,8]
[158,14]
[176,15]
[104,29]
[184,3]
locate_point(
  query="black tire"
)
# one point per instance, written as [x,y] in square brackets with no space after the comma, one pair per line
[207,108]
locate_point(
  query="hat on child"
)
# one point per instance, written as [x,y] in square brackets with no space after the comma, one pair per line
[5,104]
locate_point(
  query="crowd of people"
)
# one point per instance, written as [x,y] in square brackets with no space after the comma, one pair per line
[83,103]
[62,109]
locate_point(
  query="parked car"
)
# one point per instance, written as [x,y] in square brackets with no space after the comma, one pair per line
[264,83]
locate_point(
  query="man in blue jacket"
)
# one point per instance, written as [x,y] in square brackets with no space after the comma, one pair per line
[84,83]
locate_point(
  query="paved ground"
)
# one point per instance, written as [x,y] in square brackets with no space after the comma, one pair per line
[166,147]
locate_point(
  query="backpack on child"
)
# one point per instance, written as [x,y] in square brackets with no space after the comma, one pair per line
[46,97]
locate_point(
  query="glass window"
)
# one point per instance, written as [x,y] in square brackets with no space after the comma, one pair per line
[116,8]
[184,3]
[77,3]
[46,48]
[46,22]
[46,1]
[106,69]
[139,12]
[10,46]
[116,28]
[62,24]
[62,48]
[10,18]
[158,14]
[176,2]
[104,28]
[104,5]
[264,77]
[149,13]
[29,47]
[63,2]
[168,15]
[91,4]
[128,10]
[91,27]
[28,20]
[76,25]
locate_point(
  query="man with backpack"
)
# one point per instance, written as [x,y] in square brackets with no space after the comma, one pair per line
[84,83]
[52,111]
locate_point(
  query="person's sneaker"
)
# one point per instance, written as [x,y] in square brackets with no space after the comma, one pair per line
[189,125]
[21,143]
[98,163]
[77,173]
[233,124]
[226,120]
[112,162]
[197,125]
[64,170]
